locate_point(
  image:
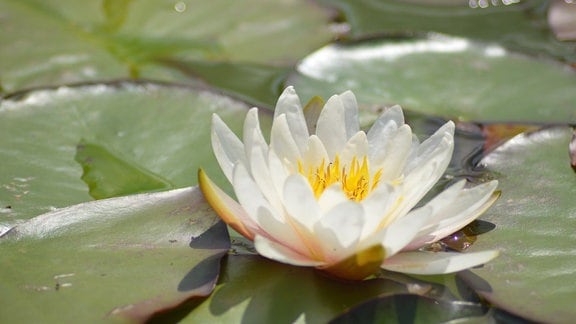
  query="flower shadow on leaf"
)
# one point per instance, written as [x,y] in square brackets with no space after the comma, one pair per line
[204,275]
[281,293]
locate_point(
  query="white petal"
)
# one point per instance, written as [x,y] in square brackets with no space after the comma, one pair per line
[300,202]
[357,146]
[429,263]
[253,134]
[315,153]
[278,172]
[331,128]
[435,157]
[339,230]
[427,148]
[228,149]
[262,175]
[248,193]
[289,104]
[281,253]
[453,209]
[392,159]
[280,231]
[399,233]
[389,120]
[332,196]
[350,113]
[377,205]
[283,144]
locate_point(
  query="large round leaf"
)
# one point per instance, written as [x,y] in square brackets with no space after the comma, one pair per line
[519,25]
[256,290]
[129,256]
[535,275]
[447,76]
[143,129]
[55,42]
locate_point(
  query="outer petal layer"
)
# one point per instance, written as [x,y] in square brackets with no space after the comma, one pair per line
[227,208]
[429,263]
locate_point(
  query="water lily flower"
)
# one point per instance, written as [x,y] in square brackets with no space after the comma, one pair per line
[328,195]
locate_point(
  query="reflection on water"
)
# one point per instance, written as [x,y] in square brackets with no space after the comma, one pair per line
[486,3]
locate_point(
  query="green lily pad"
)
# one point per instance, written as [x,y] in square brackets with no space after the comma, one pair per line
[55,42]
[446,76]
[162,130]
[516,25]
[256,290]
[535,275]
[126,257]
[109,176]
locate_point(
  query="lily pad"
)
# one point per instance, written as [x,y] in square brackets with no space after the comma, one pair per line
[535,275]
[129,256]
[447,76]
[56,42]
[156,129]
[256,290]
[516,25]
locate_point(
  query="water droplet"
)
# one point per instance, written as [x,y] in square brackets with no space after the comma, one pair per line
[180,6]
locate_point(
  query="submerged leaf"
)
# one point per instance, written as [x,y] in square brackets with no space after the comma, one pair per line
[108,175]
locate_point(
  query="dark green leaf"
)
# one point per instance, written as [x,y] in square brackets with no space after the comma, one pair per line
[108,176]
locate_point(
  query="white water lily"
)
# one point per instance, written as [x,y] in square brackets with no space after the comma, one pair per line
[328,195]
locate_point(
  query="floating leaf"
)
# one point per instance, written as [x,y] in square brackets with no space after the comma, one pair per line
[164,130]
[485,82]
[109,176]
[516,25]
[256,290]
[535,274]
[55,42]
[130,256]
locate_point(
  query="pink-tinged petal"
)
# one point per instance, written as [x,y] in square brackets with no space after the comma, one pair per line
[299,201]
[278,252]
[315,153]
[339,230]
[357,146]
[283,144]
[430,263]
[227,208]
[253,137]
[284,233]
[289,105]
[227,147]
[453,209]
[358,265]
[331,127]
[331,197]
[351,122]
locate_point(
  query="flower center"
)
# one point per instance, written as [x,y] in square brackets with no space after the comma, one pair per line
[355,179]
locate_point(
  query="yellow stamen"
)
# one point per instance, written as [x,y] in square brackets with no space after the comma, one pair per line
[356,180]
